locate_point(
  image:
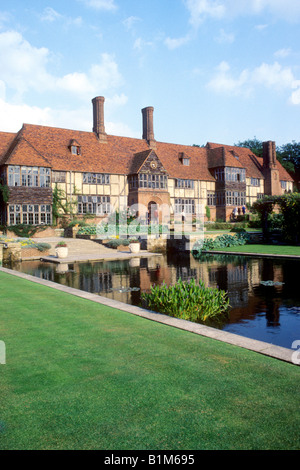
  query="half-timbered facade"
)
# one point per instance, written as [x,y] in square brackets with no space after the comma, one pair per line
[100,173]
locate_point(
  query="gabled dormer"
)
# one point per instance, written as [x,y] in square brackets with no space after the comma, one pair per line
[74,147]
[184,159]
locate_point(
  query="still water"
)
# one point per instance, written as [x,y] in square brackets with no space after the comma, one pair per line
[264,294]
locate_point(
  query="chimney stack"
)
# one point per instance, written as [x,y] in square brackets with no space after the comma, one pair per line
[148,133]
[270,169]
[269,154]
[98,118]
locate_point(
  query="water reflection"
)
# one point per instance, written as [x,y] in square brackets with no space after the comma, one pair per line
[261,311]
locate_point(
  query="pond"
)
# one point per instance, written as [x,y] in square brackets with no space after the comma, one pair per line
[264,293]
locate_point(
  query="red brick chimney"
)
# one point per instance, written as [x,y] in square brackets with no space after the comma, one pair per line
[98,118]
[270,169]
[148,132]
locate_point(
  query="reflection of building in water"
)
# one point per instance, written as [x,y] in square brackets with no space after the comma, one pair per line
[96,283]
[186,273]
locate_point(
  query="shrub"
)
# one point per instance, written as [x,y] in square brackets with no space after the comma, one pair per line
[23,230]
[116,243]
[187,300]
[42,246]
[222,241]
[61,244]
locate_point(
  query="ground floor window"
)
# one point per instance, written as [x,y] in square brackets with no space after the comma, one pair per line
[30,214]
[186,205]
[235,198]
[97,205]
[211,199]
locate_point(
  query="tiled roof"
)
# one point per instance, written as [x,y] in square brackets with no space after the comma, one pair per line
[6,138]
[170,156]
[248,160]
[46,146]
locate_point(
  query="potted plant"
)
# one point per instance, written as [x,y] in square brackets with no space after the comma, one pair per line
[61,250]
[134,245]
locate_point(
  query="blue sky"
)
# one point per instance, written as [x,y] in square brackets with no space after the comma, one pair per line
[214,70]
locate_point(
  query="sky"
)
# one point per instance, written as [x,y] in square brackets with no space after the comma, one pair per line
[220,71]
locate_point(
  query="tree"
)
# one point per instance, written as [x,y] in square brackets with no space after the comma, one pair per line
[289,156]
[255,145]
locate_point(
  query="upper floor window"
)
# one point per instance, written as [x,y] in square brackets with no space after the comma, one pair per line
[58,176]
[29,176]
[75,150]
[255,182]
[150,181]
[283,184]
[96,178]
[187,184]
[185,159]
[235,174]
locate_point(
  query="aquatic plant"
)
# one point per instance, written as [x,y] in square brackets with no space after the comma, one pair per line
[188,300]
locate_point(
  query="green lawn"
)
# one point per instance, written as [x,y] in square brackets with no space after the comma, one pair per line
[264,249]
[80,375]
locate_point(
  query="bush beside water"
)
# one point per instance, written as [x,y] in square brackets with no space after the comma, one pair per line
[222,241]
[189,300]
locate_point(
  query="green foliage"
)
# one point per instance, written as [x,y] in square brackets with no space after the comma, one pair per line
[187,300]
[255,145]
[27,231]
[288,154]
[289,205]
[4,192]
[88,230]
[61,204]
[222,241]
[117,242]
[41,246]
[207,212]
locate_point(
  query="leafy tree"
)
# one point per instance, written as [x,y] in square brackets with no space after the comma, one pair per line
[289,206]
[289,155]
[255,145]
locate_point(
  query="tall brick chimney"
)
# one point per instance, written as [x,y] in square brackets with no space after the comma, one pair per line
[98,118]
[269,154]
[148,132]
[270,169]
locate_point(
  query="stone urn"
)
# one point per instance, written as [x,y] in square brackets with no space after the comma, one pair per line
[61,250]
[134,246]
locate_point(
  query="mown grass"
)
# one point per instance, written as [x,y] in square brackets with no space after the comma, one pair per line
[264,249]
[80,375]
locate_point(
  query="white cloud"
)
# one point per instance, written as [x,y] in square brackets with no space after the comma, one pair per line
[25,68]
[50,15]
[139,44]
[223,82]
[224,37]
[272,76]
[108,5]
[176,42]
[130,22]
[200,9]
[218,9]
[295,97]
[282,53]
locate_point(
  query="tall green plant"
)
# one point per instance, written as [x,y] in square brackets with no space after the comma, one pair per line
[187,300]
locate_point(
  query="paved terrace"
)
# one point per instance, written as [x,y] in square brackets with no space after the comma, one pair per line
[87,250]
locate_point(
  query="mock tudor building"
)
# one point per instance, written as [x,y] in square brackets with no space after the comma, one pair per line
[102,173]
